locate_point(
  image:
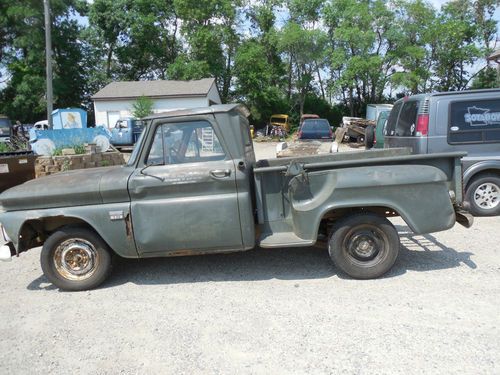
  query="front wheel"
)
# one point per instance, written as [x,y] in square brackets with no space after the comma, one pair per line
[364,245]
[75,259]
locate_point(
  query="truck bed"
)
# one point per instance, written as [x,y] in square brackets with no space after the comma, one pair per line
[294,194]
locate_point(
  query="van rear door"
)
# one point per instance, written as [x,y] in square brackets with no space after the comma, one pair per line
[401,130]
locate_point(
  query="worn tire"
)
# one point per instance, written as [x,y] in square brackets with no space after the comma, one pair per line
[76,258]
[369,137]
[364,245]
[483,195]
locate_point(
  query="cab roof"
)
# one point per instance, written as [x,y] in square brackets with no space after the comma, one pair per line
[219,108]
[448,93]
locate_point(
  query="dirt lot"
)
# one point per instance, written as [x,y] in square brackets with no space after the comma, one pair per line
[265,311]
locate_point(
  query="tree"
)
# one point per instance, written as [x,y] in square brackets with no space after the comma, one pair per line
[303,49]
[414,41]
[142,107]
[209,28]
[360,35]
[23,58]
[486,78]
[258,67]
[134,39]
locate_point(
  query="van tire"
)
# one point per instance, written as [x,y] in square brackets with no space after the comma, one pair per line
[369,137]
[364,245]
[483,195]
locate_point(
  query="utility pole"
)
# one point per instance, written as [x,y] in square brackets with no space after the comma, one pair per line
[48,59]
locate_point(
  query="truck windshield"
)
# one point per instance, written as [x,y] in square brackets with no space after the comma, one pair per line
[281,120]
[137,147]
[316,125]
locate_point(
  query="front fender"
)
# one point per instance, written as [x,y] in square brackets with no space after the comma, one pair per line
[114,232]
[418,193]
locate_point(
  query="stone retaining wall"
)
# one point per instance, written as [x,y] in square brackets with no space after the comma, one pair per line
[46,165]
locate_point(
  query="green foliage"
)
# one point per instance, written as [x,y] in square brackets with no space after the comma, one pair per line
[143,107]
[23,58]
[5,147]
[80,149]
[488,78]
[65,166]
[312,57]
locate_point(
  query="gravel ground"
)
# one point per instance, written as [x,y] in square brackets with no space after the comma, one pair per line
[264,311]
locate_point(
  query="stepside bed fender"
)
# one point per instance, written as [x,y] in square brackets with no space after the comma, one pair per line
[418,193]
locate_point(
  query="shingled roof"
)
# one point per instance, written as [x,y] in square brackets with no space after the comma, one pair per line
[154,89]
[495,56]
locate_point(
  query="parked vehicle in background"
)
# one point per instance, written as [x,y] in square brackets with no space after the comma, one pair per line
[466,121]
[192,186]
[69,128]
[315,129]
[307,116]
[374,110]
[5,128]
[126,132]
[41,125]
[374,135]
[281,121]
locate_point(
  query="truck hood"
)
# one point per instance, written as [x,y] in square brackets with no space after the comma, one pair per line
[73,188]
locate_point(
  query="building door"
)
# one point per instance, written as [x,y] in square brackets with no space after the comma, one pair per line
[113,117]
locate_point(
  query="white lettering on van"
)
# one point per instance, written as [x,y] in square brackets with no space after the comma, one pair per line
[481,117]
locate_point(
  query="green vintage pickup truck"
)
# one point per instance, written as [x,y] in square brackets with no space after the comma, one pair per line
[192,186]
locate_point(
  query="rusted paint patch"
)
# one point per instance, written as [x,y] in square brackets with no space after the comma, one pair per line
[128,228]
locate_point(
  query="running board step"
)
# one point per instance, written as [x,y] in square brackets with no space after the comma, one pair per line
[282,239]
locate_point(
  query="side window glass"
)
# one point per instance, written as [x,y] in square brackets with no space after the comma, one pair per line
[210,145]
[474,121]
[155,156]
[407,119]
[390,129]
[187,142]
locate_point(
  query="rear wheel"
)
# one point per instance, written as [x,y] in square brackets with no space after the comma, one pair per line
[364,246]
[483,195]
[76,258]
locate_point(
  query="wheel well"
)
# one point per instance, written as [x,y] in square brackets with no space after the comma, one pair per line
[34,232]
[332,216]
[482,173]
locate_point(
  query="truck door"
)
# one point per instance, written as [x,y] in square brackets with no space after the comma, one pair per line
[185,199]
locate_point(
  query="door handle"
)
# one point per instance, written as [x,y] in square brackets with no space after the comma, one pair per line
[220,173]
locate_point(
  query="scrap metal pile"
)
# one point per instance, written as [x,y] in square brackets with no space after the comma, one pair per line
[353,129]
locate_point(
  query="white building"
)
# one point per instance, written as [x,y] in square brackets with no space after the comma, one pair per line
[117,99]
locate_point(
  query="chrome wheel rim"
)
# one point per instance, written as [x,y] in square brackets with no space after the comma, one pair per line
[76,259]
[487,195]
[366,245]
